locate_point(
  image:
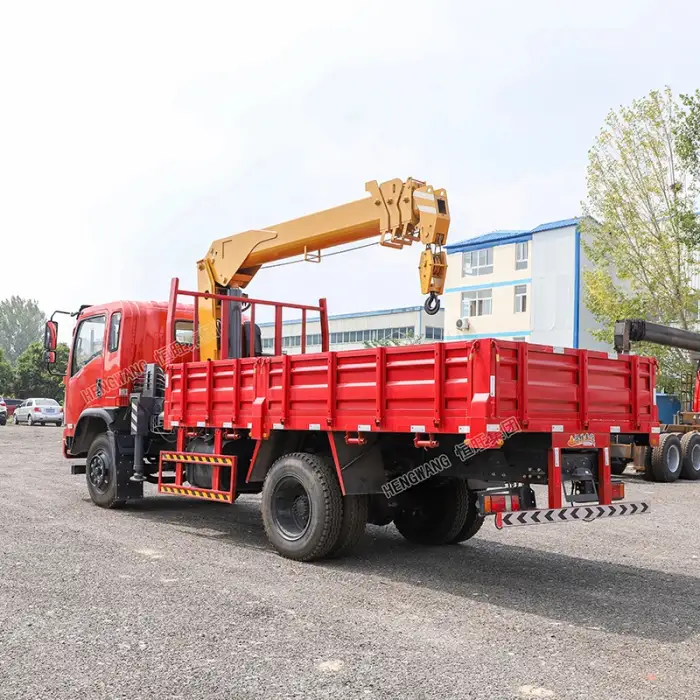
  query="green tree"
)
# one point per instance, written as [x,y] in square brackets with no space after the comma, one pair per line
[21,323]
[642,237]
[688,133]
[6,375]
[32,377]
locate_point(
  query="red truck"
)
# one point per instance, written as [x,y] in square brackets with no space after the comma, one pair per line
[432,437]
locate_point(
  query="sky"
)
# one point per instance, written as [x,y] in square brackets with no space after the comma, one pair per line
[133,134]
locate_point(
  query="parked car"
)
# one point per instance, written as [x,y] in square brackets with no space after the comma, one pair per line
[39,411]
[12,404]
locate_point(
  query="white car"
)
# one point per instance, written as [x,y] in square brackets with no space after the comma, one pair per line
[39,411]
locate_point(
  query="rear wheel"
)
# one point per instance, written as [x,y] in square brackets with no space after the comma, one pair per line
[666,458]
[30,421]
[355,514]
[436,514]
[101,473]
[472,524]
[690,448]
[302,506]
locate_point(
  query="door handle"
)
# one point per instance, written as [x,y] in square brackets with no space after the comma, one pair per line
[98,388]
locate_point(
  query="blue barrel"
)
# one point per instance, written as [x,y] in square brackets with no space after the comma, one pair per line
[669,405]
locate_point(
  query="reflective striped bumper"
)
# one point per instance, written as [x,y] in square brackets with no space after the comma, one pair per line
[584,514]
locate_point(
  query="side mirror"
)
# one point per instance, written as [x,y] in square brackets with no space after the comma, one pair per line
[50,357]
[51,336]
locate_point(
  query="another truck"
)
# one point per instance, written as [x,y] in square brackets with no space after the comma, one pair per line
[677,456]
[432,437]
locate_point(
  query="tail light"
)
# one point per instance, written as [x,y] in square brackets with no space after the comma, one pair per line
[37,409]
[499,504]
[618,490]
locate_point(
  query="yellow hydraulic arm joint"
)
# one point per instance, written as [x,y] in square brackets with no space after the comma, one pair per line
[398,212]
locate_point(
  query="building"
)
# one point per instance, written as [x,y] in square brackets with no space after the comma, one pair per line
[350,331]
[520,285]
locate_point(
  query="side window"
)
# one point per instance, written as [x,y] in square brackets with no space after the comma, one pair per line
[89,342]
[115,324]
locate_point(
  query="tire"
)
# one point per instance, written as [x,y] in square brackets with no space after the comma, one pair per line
[666,458]
[302,506]
[30,422]
[355,514]
[3,420]
[438,514]
[472,524]
[101,473]
[15,419]
[617,466]
[690,448]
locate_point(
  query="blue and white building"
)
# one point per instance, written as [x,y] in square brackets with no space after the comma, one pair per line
[521,285]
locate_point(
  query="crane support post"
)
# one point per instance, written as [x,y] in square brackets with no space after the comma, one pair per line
[398,212]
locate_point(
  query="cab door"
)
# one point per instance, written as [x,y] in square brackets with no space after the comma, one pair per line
[84,388]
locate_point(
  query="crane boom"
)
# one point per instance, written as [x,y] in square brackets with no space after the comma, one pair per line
[399,212]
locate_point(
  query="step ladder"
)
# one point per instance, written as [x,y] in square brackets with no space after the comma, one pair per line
[178,462]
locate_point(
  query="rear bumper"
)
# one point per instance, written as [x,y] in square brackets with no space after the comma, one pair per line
[587,514]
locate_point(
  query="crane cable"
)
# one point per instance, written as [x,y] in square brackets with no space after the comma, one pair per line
[327,255]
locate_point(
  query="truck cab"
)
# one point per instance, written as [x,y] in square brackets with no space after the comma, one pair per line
[111,346]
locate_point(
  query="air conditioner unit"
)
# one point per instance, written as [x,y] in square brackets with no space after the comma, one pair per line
[463,323]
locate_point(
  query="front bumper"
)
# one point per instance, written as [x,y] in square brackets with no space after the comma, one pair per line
[586,514]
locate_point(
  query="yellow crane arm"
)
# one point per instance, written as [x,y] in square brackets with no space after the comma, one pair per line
[397,211]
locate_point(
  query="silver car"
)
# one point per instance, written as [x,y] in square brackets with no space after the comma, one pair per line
[39,411]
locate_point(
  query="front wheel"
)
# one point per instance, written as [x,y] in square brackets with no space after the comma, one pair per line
[101,473]
[436,514]
[302,507]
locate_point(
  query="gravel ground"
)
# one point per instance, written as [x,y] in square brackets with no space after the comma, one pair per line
[173,598]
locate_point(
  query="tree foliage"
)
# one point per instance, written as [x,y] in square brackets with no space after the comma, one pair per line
[643,235]
[688,133]
[21,323]
[7,376]
[32,377]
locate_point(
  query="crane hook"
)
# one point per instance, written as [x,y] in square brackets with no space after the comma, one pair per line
[432,304]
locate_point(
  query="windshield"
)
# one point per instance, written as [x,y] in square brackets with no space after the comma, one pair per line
[45,402]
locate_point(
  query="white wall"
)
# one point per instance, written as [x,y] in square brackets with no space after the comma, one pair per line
[553,284]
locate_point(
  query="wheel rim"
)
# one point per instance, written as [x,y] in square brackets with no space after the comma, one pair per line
[673,459]
[695,457]
[98,471]
[291,508]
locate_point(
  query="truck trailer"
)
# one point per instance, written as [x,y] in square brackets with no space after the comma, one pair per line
[432,437]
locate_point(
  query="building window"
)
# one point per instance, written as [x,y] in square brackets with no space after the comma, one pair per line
[520,298]
[432,333]
[477,262]
[477,303]
[521,255]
